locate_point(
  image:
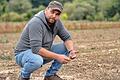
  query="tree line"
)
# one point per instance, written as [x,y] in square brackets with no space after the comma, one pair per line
[90,10]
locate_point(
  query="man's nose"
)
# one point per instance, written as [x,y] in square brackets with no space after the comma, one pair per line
[54,15]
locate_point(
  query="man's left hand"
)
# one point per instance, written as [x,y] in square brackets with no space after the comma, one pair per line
[72,54]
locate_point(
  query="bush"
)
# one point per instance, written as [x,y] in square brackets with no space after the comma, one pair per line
[20,6]
[64,16]
[26,16]
[116,17]
[36,10]
[32,12]
[12,16]
[99,16]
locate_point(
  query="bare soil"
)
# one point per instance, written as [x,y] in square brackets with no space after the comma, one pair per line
[98,57]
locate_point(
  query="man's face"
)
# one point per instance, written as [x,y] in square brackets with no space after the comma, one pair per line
[52,14]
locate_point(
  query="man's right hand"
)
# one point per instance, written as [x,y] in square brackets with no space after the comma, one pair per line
[63,59]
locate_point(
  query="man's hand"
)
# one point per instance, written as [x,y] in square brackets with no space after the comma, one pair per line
[63,59]
[72,54]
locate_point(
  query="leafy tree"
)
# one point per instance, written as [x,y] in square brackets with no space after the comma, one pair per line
[109,8]
[116,17]
[64,16]
[37,3]
[11,16]
[32,12]
[64,1]
[69,8]
[99,16]
[20,6]
[73,9]
[79,9]
[3,6]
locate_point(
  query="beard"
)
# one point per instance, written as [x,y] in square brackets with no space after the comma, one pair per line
[51,20]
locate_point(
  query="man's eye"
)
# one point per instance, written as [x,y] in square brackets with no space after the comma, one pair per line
[58,14]
[54,12]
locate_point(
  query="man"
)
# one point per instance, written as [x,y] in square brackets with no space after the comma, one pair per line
[35,46]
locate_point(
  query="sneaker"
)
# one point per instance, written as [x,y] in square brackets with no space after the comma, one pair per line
[54,77]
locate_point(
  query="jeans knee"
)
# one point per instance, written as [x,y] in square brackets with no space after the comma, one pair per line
[38,62]
[32,65]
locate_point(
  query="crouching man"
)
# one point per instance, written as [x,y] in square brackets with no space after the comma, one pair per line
[36,48]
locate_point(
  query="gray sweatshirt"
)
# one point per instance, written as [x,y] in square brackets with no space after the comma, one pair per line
[37,34]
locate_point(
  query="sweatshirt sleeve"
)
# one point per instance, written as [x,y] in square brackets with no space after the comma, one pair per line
[63,32]
[35,36]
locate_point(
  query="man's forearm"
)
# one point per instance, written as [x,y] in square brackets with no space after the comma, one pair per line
[69,45]
[48,54]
